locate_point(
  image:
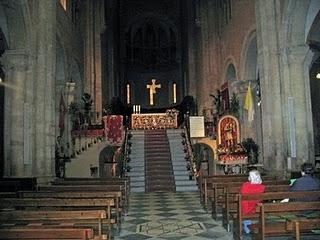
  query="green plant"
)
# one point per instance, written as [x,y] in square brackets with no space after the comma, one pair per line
[234,105]
[252,150]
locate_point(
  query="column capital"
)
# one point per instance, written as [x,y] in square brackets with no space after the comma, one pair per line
[15,60]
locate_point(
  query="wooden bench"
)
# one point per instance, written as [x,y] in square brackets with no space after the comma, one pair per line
[95,181]
[9,186]
[217,195]
[116,195]
[264,227]
[231,200]
[302,225]
[22,183]
[88,188]
[206,181]
[62,204]
[47,233]
[238,218]
[61,219]
[210,181]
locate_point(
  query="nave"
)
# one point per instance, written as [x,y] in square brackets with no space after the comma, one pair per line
[167,215]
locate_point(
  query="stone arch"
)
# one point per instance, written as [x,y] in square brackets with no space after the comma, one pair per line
[15,22]
[204,155]
[230,73]
[15,15]
[249,58]
[313,40]
[106,157]
[250,73]
[298,19]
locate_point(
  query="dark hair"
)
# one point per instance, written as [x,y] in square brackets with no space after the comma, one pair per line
[307,168]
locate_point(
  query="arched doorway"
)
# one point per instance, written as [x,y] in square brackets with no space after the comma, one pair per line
[204,156]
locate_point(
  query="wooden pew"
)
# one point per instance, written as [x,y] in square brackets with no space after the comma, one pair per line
[209,181]
[238,218]
[231,200]
[55,219]
[217,195]
[47,233]
[116,195]
[22,183]
[206,181]
[265,228]
[62,204]
[302,225]
[88,188]
[9,186]
[96,181]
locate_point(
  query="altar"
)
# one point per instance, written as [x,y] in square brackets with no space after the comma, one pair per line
[155,120]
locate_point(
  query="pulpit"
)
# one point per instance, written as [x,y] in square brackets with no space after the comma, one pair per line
[230,152]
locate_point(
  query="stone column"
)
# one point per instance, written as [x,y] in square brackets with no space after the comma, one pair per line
[297,91]
[189,61]
[15,66]
[274,143]
[44,91]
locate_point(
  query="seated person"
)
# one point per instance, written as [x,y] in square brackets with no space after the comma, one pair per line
[253,186]
[306,182]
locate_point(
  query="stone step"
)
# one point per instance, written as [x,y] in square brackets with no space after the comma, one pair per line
[179,168]
[137,184]
[185,183]
[182,177]
[137,189]
[137,178]
[190,188]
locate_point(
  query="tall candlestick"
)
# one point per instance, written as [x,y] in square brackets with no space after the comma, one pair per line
[174,93]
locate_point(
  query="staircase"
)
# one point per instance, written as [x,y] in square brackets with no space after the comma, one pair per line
[158,166]
[137,171]
[158,162]
[181,174]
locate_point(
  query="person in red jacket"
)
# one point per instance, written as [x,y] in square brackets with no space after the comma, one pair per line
[253,186]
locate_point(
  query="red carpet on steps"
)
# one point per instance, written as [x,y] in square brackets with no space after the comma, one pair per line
[158,165]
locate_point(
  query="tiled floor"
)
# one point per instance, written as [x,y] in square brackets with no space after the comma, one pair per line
[171,216]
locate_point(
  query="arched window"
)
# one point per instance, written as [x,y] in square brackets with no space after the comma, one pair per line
[151,44]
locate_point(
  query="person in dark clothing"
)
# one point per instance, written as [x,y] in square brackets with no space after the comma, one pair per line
[306,182]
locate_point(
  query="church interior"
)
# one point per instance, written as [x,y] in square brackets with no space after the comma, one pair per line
[140,119]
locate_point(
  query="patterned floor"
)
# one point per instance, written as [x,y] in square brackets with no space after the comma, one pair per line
[170,216]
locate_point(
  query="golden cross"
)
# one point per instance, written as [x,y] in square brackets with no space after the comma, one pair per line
[152,90]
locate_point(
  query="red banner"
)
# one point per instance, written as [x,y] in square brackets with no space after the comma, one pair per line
[113,128]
